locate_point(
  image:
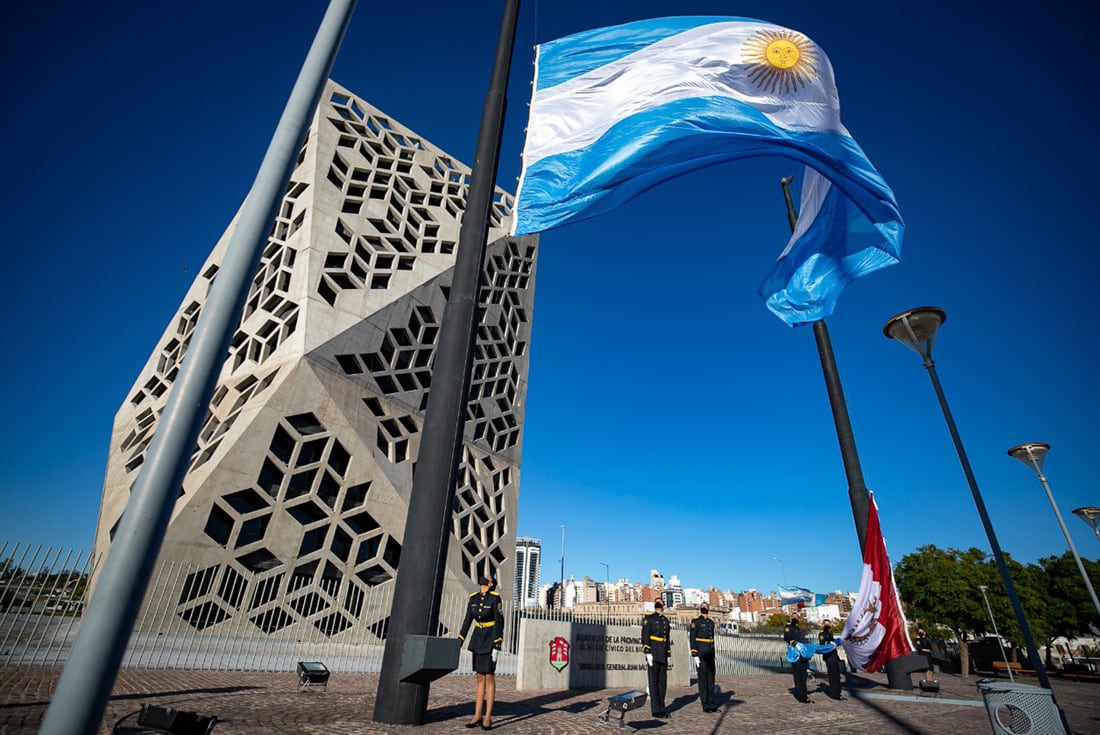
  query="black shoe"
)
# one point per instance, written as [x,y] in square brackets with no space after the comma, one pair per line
[475,723]
[807,700]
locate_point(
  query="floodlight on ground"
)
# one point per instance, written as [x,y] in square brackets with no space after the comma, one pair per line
[312,673]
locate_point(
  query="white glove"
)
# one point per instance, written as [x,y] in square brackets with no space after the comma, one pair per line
[649,659]
[495,654]
[695,660]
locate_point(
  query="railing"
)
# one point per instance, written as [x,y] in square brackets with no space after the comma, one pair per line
[43,591]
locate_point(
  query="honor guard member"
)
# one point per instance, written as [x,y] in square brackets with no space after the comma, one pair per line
[701,638]
[924,647]
[792,634]
[484,610]
[656,643]
[832,660]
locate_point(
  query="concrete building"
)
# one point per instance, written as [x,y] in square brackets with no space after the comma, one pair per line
[294,504]
[528,558]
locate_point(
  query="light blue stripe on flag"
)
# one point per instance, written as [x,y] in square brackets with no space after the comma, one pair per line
[616,111]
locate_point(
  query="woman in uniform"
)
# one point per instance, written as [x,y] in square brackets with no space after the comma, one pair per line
[484,611]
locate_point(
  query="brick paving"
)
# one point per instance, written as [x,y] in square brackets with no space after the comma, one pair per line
[247,703]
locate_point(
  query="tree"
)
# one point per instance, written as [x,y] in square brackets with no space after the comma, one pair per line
[940,588]
[775,622]
[1068,609]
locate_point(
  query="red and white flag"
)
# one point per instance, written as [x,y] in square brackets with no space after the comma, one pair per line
[876,630]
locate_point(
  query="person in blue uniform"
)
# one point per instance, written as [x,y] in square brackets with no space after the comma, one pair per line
[800,667]
[832,660]
[701,638]
[484,611]
[657,645]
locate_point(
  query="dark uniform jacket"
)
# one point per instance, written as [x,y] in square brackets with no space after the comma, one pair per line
[485,612]
[826,636]
[656,637]
[701,636]
[792,633]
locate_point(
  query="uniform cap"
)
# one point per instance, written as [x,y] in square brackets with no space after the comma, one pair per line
[483,579]
[704,608]
[658,603]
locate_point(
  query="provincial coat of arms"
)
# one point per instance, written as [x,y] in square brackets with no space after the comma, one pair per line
[559,653]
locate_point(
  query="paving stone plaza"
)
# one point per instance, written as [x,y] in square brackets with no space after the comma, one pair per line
[255,703]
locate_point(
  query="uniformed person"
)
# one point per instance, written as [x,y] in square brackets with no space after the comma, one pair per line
[792,634]
[832,660]
[657,645]
[484,610]
[701,639]
[924,647]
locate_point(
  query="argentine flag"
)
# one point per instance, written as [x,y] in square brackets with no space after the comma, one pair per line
[618,110]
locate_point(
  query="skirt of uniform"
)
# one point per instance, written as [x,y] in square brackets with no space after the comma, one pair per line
[484,663]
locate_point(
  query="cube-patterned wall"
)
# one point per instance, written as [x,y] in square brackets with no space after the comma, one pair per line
[295,500]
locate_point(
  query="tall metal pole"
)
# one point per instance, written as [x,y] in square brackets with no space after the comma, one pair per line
[81,697]
[419,585]
[783,567]
[997,633]
[998,555]
[1026,454]
[916,329]
[607,585]
[562,588]
[858,496]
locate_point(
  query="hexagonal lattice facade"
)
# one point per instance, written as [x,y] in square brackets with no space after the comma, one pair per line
[294,504]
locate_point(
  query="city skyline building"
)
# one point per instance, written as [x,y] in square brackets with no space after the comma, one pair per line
[294,504]
[525,589]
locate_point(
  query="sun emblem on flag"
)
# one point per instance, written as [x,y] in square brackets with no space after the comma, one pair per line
[780,61]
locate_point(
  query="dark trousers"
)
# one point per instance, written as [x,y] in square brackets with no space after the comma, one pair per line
[800,668]
[832,666]
[706,682]
[658,682]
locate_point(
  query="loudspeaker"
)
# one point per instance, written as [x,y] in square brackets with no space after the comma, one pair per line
[175,722]
[310,673]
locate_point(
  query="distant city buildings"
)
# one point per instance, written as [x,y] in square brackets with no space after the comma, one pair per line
[525,589]
[624,598]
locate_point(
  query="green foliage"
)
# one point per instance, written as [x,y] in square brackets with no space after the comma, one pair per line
[941,588]
[776,622]
[1069,609]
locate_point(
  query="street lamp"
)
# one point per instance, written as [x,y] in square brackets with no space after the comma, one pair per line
[1033,455]
[1089,514]
[783,567]
[916,329]
[1000,643]
[607,586]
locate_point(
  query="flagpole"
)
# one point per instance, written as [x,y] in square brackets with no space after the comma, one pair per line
[419,585]
[858,495]
[80,699]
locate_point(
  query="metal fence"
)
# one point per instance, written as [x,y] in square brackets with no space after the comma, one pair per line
[42,599]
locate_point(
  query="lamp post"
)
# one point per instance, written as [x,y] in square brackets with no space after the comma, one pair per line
[1004,655]
[916,329]
[783,567]
[607,586]
[1033,455]
[1088,514]
[561,586]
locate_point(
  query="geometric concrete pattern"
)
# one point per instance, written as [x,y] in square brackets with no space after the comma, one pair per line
[294,503]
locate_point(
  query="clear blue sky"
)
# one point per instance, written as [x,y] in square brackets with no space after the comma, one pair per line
[672,421]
